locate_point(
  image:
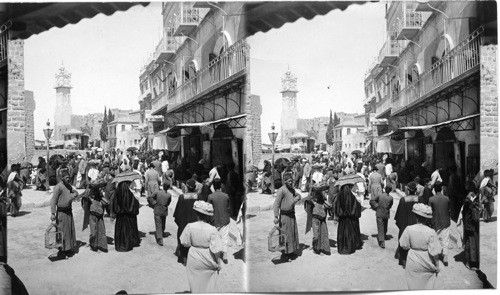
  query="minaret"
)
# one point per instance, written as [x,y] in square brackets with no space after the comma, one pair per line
[62,115]
[289,112]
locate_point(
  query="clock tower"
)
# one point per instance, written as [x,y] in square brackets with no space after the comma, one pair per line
[289,112]
[62,115]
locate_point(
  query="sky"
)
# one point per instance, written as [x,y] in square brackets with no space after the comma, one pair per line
[104,54]
[333,51]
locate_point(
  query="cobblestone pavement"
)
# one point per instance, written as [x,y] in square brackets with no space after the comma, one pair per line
[371,268]
[146,269]
[488,233]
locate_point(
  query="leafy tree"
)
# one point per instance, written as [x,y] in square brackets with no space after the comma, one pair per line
[329,131]
[104,127]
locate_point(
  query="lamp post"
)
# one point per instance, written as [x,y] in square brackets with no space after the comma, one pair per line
[272,137]
[48,133]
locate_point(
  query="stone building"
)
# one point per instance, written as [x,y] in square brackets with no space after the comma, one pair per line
[30,106]
[253,139]
[196,80]
[63,111]
[426,81]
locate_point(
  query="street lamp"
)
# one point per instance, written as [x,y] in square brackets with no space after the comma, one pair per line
[272,137]
[48,133]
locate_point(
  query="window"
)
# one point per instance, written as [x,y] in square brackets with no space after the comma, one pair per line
[123,127]
[348,131]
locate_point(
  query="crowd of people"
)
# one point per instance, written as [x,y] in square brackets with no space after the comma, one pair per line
[426,213]
[115,182]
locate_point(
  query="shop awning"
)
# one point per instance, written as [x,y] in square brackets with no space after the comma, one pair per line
[264,16]
[448,123]
[34,18]
[202,124]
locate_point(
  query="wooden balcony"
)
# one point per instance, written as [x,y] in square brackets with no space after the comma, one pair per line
[165,49]
[389,53]
[422,5]
[411,23]
[202,4]
[231,63]
[186,19]
[457,64]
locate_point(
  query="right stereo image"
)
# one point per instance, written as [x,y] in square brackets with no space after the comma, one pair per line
[371,150]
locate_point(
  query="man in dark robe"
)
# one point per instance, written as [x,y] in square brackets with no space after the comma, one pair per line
[348,210]
[232,189]
[470,216]
[125,208]
[284,215]
[62,213]
[184,214]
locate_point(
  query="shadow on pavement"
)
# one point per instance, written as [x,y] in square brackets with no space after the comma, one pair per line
[240,254]
[56,257]
[183,292]
[110,240]
[22,213]
[142,234]
[494,218]
[364,237]
[248,216]
[302,247]
[165,234]
[460,257]
[333,243]
[387,237]
[79,244]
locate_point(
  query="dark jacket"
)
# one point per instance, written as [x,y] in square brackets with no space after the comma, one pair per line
[382,205]
[440,205]
[159,201]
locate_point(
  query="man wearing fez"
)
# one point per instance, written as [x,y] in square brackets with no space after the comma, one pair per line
[284,216]
[62,213]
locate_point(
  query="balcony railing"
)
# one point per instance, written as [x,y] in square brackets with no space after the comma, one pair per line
[230,63]
[383,105]
[165,49]
[389,53]
[410,24]
[4,37]
[186,19]
[464,57]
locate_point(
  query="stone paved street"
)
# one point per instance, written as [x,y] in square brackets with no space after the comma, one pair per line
[371,268]
[146,269]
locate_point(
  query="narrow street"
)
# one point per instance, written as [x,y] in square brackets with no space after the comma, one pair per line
[146,269]
[371,268]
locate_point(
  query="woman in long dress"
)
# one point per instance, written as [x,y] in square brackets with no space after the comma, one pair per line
[205,247]
[316,207]
[424,248]
[14,188]
[404,217]
[348,210]
[94,204]
[183,215]
[471,213]
[125,208]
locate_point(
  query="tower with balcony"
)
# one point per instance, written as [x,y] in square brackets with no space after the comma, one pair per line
[289,112]
[63,111]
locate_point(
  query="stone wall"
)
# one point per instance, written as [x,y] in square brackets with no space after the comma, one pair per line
[30,106]
[489,108]
[253,149]
[16,119]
